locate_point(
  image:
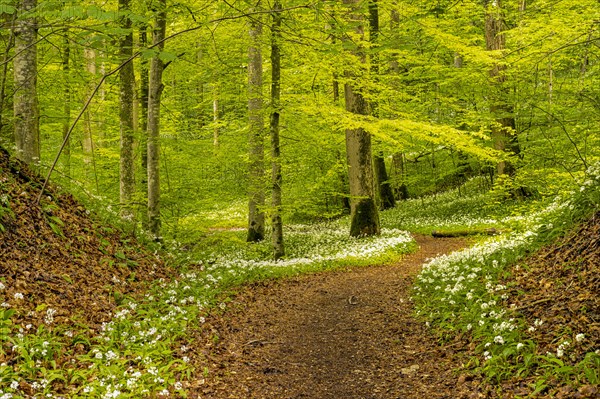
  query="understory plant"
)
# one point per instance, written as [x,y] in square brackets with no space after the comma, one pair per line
[461,294]
[143,351]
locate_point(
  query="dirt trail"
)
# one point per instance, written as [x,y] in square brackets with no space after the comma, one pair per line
[343,335]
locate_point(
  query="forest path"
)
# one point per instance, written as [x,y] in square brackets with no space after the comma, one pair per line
[337,335]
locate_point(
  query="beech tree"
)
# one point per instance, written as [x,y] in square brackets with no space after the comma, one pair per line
[363,213]
[26,112]
[504,132]
[126,101]
[276,222]
[386,194]
[256,134]
[155,88]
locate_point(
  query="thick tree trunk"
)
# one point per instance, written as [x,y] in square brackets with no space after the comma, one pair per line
[26,112]
[126,100]
[277,224]
[66,123]
[256,192]
[364,214]
[504,134]
[155,89]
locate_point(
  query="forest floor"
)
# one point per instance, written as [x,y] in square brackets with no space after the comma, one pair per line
[348,334]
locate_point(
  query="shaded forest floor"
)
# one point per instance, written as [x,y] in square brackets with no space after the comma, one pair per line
[348,334]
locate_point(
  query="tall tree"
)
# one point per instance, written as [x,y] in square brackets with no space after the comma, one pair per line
[26,112]
[155,88]
[143,121]
[364,214]
[277,224]
[386,194]
[256,134]
[504,133]
[126,116]
[66,124]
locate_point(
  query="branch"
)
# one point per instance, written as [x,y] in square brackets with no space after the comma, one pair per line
[118,68]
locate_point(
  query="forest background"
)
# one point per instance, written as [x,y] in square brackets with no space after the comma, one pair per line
[506,93]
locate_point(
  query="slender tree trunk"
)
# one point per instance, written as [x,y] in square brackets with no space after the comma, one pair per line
[155,89]
[67,104]
[256,194]
[126,100]
[504,133]
[143,127]
[216,117]
[386,195]
[10,42]
[400,174]
[364,214]
[26,112]
[88,142]
[277,224]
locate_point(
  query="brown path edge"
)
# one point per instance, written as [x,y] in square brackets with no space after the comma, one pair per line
[338,335]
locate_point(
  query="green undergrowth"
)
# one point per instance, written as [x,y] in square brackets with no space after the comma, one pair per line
[460,295]
[144,351]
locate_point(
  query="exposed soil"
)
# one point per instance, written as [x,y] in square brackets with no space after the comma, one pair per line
[343,335]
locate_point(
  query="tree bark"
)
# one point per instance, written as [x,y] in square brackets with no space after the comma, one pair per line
[216,117]
[504,134]
[89,56]
[10,42]
[155,89]
[126,100]
[386,195]
[364,214]
[67,104]
[26,110]
[144,105]
[276,179]
[256,192]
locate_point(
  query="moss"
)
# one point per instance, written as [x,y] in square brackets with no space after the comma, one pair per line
[365,219]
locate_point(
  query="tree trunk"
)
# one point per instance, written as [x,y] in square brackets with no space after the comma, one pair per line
[126,99]
[67,104]
[144,106]
[143,125]
[89,56]
[216,117]
[155,88]
[10,42]
[256,192]
[277,224]
[26,112]
[504,134]
[364,214]
[386,195]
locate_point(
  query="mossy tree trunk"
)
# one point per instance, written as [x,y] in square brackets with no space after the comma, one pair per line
[363,213]
[504,133]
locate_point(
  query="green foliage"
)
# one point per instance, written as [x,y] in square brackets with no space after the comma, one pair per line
[461,294]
